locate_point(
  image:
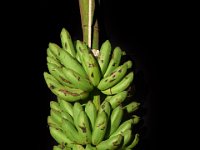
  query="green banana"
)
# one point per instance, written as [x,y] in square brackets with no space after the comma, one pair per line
[59,136]
[54,105]
[80,47]
[106,107]
[76,110]
[50,54]
[66,106]
[90,147]
[131,107]
[91,67]
[111,143]
[136,119]
[117,99]
[77,147]
[104,56]
[91,112]
[115,119]
[67,116]
[115,60]
[54,61]
[83,127]
[59,75]
[66,59]
[127,137]
[121,86]
[51,122]
[57,148]
[51,81]
[77,80]
[123,127]
[71,131]
[56,116]
[67,43]
[134,142]
[99,128]
[96,100]
[112,79]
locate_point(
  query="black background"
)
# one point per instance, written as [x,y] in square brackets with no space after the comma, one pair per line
[149,32]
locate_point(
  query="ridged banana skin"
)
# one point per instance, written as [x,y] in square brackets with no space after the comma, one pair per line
[131,107]
[134,142]
[115,119]
[117,99]
[66,106]
[127,137]
[99,128]
[97,101]
[67,116]
[50,54]
[67,43]
[84,127]
[77,108]
[51,81]
[106,107]
[66,59]
[91,112]
[55,105]
[76,79]
[121,86]
[90,147]
[59,136]
[71,132]
[115,61]
[56,116]
[104,56]
[123,127]
[80,47]
[59,75]
[111,143]
[54,61]
[51,122]
[113,78]
[91,67]
[77,147]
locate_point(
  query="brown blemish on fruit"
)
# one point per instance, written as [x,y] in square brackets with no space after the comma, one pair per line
[92,75]
[83,128]
[65,92]
[112,80]
[120,70]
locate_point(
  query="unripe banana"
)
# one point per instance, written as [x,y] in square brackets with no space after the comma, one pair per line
[114,62]
[99,128]
[127,137]
[106,107]
[91,67]
[71,132]
[134,143]
[76,110]
[57,148]
[66,59]
[67,116]
[54,105]
[111,143]
[104,56]
[66,106]
[50,54]
[96,101]
[112,79]
[133,106]
[59,136]
[51,81]
[115,119]
[91,112]
[54,61]
[77,147]
[51,122]
[59,75]
[90,147]
[83,127]
[123,127]
[117,99]
[80,47]
[121,86]
[77,80]
[56,116]
[67,43]
[136,119]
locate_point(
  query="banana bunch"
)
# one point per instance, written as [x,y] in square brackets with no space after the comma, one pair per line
[83,126]
[92,93]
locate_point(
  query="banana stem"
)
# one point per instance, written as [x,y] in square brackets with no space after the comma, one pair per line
[89,23]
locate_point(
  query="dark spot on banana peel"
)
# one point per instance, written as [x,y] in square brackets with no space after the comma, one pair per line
[92,75]
[66,81]
[51,87]
[78,78]
[120,70]
[113,64]
[91,65]
[113,75]
[65,92]
[112,80]
[106,80]
[102,61]
[115,143]
[83,129]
